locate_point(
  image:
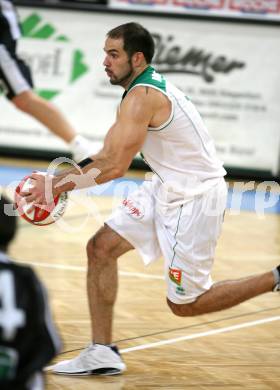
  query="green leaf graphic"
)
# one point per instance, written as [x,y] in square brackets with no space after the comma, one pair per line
[62,38]
[47,94]
[31,29]
[29,24]
[79,67]
[45,32]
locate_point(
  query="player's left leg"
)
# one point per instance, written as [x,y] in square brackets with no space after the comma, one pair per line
[225,294]
[190,258]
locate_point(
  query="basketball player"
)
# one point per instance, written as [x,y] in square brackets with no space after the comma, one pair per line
[16,82]
[28,339]
[177,215]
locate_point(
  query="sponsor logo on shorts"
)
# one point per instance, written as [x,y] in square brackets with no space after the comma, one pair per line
[180,290]
[175,275]
[133,209]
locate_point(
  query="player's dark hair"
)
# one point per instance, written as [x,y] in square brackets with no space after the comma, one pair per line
[136,38]
[8,222]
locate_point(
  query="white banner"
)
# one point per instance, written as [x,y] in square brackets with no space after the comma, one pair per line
[230,71]
[240,9]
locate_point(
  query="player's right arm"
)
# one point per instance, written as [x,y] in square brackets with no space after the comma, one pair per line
[123,140]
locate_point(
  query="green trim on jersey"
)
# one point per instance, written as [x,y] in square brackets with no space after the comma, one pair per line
[149,77]
[143,158]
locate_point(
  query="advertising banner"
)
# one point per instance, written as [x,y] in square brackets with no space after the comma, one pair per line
[249,9]
[230,72]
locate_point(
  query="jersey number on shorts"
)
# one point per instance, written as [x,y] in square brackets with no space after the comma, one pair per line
[11,317]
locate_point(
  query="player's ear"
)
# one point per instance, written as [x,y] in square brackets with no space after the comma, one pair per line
[138,59]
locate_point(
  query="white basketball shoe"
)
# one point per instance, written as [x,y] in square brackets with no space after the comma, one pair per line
[97,359]
[276,273]
[81,148]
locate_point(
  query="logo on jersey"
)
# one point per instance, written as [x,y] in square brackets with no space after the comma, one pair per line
[175,275]
[133,209]
[156,76]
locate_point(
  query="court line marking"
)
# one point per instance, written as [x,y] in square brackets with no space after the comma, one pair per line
[250,258]
[168,341]
[83,269]
[201,334]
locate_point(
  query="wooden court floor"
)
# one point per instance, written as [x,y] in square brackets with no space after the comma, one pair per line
[234,349]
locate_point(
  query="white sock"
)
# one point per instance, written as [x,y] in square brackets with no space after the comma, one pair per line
[81,148]
[77,140]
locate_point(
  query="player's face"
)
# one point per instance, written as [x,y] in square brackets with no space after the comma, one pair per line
[117,64]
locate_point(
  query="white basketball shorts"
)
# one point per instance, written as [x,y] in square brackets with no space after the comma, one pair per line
[185,235]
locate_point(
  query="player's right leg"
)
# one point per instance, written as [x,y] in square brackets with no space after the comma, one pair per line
[130,226]
[101,357]
[103,251]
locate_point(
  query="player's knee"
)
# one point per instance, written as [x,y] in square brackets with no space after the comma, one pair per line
[98,247]
[94,249]
[181,310]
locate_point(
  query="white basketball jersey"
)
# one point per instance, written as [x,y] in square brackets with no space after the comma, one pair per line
[181,151]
